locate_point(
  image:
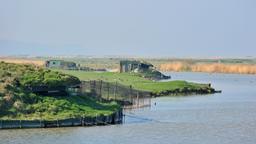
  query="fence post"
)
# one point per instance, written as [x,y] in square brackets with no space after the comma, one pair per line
[90,85]
[20,123]
[83,120]
[142,99]
[80,91]
[131,93]
[123,118]
[96,119]
[58,123]
[100,90]
[137,100]
[108,90]
[150,100]
[94,87]
[115,89]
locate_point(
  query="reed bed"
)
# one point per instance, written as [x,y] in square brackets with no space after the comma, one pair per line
[23,61]
[209,67]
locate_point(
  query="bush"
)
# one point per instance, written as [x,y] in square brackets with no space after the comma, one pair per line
[19,105]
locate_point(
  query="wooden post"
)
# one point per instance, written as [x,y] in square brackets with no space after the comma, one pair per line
[57,123]
[143,97]
[115,89]
[137,103]
[108,90]
[150,100]
[94,87]
[83,121]
[20,124]
[90,84]
[100,89]
[81,89]
[123,118]
[131,93]
[96,119]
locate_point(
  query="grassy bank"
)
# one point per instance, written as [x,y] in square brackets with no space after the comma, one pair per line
[52,108]
[137,82]
[18,101]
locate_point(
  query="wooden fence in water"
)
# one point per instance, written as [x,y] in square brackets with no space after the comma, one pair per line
[126,95]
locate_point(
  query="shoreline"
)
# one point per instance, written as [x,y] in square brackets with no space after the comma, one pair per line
[177,92]
[129,88]
[115,118]
[185,91]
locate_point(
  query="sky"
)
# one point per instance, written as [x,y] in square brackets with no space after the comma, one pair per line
[148,28]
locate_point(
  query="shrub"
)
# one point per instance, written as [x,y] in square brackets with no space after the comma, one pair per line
[19,105]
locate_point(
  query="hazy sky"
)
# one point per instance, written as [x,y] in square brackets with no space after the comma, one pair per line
[172,28]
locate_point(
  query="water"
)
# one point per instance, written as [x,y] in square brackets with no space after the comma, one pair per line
[226,118]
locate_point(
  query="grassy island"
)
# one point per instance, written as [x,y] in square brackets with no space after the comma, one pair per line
[21,95]
[20,100]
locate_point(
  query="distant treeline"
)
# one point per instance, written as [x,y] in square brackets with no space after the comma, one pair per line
[210,67]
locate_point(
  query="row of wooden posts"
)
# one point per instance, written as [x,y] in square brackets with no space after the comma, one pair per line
[115,118]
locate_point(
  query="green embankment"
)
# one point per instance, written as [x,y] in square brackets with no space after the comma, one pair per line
[18,102]
[138,82]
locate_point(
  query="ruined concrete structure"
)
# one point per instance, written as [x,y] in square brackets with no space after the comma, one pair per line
[145,69]
[131,65]
[67,65]
[60,64]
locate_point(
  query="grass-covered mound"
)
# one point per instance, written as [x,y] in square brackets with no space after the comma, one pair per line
[144,84]
[52,108]
[18,102]
[151,74]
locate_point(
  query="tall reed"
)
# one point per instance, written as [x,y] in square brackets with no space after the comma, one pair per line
[210,67]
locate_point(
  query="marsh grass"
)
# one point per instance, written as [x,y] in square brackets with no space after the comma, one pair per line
[23,61]
[210,67]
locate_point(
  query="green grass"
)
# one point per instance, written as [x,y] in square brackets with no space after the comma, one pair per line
[136,81]
[52,108]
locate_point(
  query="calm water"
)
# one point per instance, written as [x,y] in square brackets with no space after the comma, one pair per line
[229,117]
